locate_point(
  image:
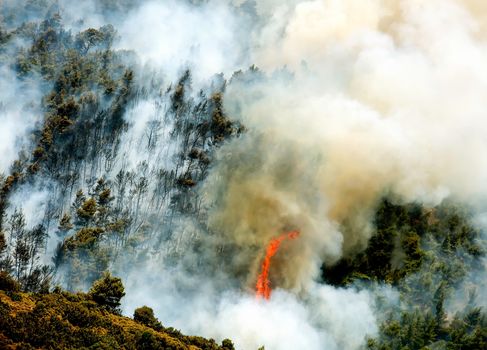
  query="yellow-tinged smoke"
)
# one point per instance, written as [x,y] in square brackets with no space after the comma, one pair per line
[379,97]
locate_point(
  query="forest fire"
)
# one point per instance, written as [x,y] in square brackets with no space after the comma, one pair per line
[263,288]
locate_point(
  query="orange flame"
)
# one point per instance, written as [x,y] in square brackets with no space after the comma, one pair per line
[263,288]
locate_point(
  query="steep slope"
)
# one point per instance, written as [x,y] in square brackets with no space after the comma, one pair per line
[61,320]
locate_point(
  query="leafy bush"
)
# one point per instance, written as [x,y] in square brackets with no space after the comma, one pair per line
[7,283]
[63,320]
[145,315]
[107,292]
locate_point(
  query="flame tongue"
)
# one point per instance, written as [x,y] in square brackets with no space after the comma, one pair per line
[263,288]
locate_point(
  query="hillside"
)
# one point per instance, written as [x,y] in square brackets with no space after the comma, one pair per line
[63,320]
[299,174]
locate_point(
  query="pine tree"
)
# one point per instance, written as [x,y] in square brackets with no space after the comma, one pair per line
[107,292]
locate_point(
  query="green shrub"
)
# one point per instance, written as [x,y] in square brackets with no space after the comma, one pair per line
[107,292]
[7,283]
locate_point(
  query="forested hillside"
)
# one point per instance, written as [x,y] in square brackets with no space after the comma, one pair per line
[96,214]
[96,210]
[153,153]
[63,320]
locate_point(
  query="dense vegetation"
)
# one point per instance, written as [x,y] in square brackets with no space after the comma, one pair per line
[63,320]
[427,254]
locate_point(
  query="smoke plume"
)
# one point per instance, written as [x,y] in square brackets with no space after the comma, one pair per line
[376,98]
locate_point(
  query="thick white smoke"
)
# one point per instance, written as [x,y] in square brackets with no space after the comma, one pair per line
[321,317]
[175,34]
[19,113]
[384,98]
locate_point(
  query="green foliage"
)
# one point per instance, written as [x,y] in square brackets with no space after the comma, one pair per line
[87,210]
[7,283]
[148,341]
[403,235]
[85,238]
[64,225]
[227,344]
[419,330]
[425,253]
[107,292]
[221,126]
[64,320]
[92,37]
[145,315]
[20,255]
